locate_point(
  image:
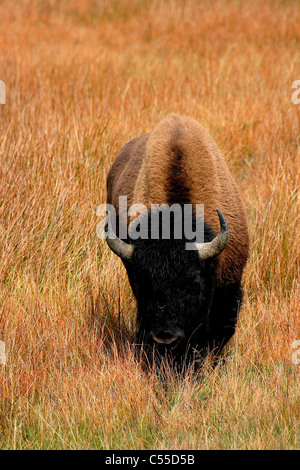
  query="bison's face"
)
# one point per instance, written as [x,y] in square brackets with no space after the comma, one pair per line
[173,288]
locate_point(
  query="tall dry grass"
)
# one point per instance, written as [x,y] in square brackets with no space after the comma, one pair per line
[83,78]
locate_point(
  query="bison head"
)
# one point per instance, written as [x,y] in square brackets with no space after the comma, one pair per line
[173,287]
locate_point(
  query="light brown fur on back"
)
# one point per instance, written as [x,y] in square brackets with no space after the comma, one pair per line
[180,162]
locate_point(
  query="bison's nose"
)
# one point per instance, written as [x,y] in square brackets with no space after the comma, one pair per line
[168,337]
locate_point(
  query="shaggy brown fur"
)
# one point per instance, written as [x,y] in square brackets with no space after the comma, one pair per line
[180,163]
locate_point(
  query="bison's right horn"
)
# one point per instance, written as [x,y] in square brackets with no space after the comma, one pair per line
[217,245]
[120,248]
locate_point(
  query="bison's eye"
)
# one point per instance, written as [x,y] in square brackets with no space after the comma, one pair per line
[195,284]
[192,282]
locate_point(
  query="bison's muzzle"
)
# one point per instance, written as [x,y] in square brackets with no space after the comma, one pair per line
[170,338]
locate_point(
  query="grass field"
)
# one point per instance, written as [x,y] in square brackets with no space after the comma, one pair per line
[83,78]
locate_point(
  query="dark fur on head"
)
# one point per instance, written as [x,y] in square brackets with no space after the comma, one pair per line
[174,290]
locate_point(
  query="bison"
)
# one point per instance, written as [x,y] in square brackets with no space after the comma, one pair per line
[187,300]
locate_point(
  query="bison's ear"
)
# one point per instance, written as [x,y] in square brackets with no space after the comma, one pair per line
[120,248]
[217,245]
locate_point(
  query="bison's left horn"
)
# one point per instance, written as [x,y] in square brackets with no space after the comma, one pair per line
[120,248]
[217,245]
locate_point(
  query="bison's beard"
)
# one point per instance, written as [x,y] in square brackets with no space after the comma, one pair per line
[184,356]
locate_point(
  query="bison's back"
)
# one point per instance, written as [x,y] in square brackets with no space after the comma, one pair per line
[121,179]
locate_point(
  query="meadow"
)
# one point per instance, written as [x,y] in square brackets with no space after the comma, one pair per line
[82,79]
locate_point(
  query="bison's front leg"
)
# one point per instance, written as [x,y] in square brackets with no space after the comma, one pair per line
[223,316]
